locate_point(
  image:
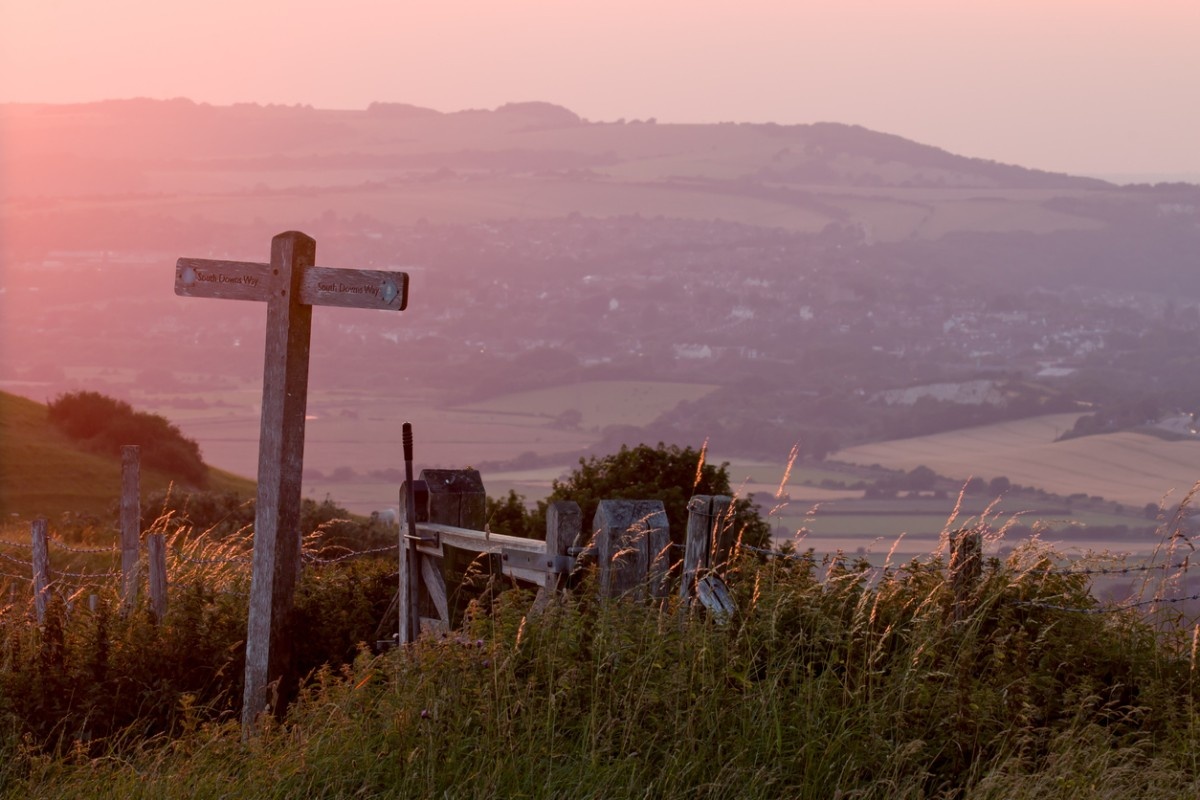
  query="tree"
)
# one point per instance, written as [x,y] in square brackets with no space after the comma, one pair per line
[103,424]
[666,472]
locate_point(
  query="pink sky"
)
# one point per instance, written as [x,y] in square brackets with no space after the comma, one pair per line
[1106,87]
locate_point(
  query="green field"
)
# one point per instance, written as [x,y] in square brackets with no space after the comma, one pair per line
[1130,468]
[360,432]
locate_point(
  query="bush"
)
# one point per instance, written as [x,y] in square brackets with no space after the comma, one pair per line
[666,472]
[103,424]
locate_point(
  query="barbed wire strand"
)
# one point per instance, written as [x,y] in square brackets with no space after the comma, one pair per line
[11,543]
[352,554]
[59,544]
[19,561]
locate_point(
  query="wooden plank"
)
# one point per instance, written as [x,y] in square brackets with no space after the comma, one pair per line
[456,497]
[354,288]
[318,286]
[280,462]
[228,280]
[131,522]
[468,539]
[630,536]
[435,585]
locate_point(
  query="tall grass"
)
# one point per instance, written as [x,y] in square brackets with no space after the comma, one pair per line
[828,682]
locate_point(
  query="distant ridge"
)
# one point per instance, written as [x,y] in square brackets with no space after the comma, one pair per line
[115,146]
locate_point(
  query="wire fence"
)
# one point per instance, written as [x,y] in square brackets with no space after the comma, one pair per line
[317,554]
[186,553]
[1178,566]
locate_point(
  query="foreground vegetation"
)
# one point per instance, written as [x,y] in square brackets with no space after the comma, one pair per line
[826,683]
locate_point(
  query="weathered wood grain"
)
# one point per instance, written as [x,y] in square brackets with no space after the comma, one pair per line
[131,522]
[696,544]
[280,462]
[317,286]
[156,556]
[39,535]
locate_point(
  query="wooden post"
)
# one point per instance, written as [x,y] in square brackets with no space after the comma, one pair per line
[564,520]
[966,565]
[131,522]
[290,285]
[410,575]
[724,534]
[697,544]
[156,550]
[280,464]
[39,532]
[456,497]
[631,538]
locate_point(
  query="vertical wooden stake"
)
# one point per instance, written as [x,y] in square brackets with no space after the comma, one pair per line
[564,521]
[697,543]
[966,565]
[156,550]
[131,522]
[631,538]
[39,531]
[280,462]
[723,531]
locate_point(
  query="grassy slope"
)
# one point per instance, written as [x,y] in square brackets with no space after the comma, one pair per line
[44,473]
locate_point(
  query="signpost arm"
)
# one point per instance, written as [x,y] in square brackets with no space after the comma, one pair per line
[280,463]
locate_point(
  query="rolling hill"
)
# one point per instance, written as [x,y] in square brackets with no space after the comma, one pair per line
[44,473]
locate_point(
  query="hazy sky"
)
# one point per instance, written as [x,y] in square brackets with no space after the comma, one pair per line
[1107,87]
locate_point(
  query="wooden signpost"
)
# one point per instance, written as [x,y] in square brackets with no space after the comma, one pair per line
[290,285]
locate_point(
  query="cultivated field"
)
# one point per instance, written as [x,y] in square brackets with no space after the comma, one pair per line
[349,435]
[1130,468]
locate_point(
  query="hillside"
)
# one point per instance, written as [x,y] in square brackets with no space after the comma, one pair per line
[819,276]
[181,161]
[44,473]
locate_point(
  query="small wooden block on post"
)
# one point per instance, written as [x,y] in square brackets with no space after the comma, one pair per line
[632,541]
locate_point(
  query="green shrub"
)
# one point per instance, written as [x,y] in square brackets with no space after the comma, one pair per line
[104,424]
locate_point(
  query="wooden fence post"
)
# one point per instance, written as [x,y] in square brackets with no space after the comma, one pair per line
[632,542]
[410,576]
[697,545]
[131,522]
[280,464]
[156,551]
[722,530]
[564,521]
[456,497]
[966,565]
[39,531]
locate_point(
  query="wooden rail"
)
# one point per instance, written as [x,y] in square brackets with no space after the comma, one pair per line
[628,540]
